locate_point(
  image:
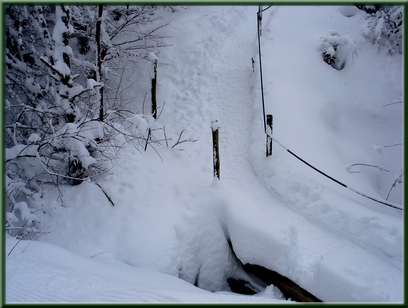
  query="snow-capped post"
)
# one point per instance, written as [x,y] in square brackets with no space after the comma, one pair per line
[153,58]
[269,123]
[260,20]
[216,155]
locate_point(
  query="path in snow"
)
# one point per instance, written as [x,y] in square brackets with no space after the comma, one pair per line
[217,84]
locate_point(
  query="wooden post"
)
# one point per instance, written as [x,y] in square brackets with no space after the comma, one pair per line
[154,82]
[216,155]
[259,14]
[269,123]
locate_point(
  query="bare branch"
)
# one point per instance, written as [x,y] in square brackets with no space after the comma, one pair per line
[104,192]
[165,137]
[366,165]
[396,102]
[392,145]
[162,108]
[147,139]
[179,141]
[397,180]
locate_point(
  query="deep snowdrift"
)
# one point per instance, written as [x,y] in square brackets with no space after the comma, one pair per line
[171,218]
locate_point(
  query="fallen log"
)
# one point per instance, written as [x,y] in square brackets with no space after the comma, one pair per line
[289,289]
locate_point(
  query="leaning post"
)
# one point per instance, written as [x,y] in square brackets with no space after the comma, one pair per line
[216,155]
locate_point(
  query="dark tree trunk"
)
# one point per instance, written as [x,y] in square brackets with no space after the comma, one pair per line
[100,56]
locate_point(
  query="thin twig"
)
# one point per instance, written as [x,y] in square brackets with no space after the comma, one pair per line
[34,239]
[147,139]
[182,141]
[165,137]
[393,185]
[104,192]
[156,152]
[19,239]
[179,137]
[366,165]
[398,102]
[144,99]
[392,145]
[162,108]
[98,254]
[16,245]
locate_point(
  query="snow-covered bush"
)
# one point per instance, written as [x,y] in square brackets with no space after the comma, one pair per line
[369,8]
[384,27]
[21,218]
[58,128]
[336,49]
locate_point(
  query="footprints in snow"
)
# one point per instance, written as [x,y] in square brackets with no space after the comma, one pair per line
[364,230]
[304,196]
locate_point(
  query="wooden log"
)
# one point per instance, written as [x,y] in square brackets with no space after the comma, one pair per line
[289,289]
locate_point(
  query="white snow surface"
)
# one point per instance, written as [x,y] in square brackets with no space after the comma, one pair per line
[171,223]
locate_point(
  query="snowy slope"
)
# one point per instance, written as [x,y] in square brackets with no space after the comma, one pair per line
[339,225]
[171,218]
[333,119]
[61,276]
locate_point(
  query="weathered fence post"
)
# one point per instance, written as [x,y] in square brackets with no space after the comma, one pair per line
[259,14]
[216,155]
[154,82]
[269,123]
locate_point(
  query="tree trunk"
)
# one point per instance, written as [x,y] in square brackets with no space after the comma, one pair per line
[99,60]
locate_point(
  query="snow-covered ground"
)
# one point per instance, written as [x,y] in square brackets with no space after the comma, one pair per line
[172,220]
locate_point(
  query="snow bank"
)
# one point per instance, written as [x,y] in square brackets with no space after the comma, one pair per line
[74,278]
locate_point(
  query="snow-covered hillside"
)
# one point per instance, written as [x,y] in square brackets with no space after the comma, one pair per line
[173,223]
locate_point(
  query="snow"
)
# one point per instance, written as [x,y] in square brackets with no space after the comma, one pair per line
[138,125]
[92,83]
[75,91]
[31,85]
[60,48]
[215,125]
[20,150]
[73,278]
[34,138]
[152,57]
[23,209]
[348,10]
[172,223]
[76,138]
